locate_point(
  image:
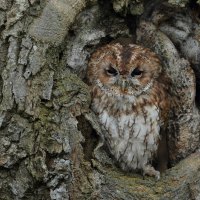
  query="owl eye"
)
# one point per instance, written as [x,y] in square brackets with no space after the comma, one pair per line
[136,72]
[112,71]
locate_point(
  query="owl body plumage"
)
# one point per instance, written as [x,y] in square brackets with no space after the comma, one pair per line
[130,113]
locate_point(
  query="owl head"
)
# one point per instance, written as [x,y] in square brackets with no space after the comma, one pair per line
[123,69]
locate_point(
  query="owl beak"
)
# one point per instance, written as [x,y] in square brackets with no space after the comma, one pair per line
[124,85]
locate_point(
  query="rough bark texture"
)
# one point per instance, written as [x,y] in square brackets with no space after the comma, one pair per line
[50,141]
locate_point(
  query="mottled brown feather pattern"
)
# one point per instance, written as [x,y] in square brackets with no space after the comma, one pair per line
[129,92]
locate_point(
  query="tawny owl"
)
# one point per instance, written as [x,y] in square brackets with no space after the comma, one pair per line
[130,100]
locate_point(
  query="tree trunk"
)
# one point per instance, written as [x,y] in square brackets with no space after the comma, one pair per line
[51,143]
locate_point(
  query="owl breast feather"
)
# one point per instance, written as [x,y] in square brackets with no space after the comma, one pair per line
[131,138]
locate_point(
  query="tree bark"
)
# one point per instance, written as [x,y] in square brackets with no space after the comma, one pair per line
[51,143]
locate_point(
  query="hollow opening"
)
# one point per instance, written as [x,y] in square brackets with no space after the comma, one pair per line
[90,136]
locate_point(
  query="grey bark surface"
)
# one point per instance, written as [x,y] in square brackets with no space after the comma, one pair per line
[51,145]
